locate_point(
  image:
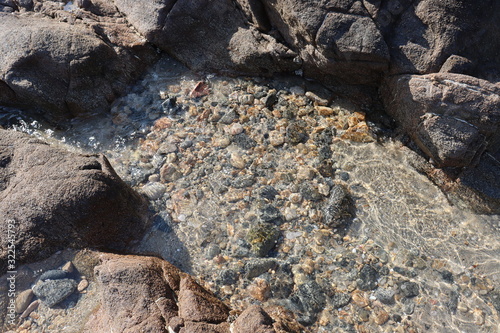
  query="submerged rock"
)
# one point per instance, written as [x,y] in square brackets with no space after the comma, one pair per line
[53,292]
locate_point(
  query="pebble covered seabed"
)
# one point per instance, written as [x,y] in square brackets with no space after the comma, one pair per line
[272,192]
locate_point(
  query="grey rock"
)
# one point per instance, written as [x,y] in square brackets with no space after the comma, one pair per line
[244,141]
[410,289]
[336,209]
[53,274]
[268,192]
[269,213]
[52,292]
[457,64]
[228,277]
[310,192]
[257,267]
[386,296]
[367,278]
[452,117]
[340,300]
[312,296]
[296,133]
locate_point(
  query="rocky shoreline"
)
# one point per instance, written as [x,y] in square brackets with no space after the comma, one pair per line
[272,198]
[350,184]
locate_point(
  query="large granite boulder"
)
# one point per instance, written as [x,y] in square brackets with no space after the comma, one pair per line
[453,118]
[51,199]
[209,35]
[67,69]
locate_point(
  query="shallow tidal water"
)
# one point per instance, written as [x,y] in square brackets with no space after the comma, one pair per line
[206,205]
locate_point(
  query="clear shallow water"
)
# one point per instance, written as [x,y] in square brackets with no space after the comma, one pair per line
[400,213]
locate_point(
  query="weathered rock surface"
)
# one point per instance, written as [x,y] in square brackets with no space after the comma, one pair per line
[67,69]
[54,199]
[147,294]
[209,35]
[452,117]
[253,319]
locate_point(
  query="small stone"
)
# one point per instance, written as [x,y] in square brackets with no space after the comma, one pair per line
[381,316]
[68,267]
[259,266]
[270,99]
[363,314]
[228,117]
[305,172]
[237,161]
[246,99]
[268,192]
[276,138]
[340,300]
[410,289]
[228,277]
[316,99]
[312,296]
[385,296]
[52,292]
[310,192]
[325,111]
[244,141]
[259,289]
[53,274]
[153,191]
[269,213]
[462,307]
[82,285]
[243,181]
[23,300]
[367,278]
[235,128]
[32,307]
[201,89]
[359,298]
[295,198]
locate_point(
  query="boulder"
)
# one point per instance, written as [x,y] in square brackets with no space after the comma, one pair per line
[66,70]
[208,35]
[453,118]
[51,199]
[136,294]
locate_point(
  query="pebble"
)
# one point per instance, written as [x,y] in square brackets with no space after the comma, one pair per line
[315,98]
[367,278]
[276,138]
[52,292]
[235,128]
[153,191]
[259,289]
[381,316]
[23,300]
[237,161]
[339,300]
[410,289]
[385,296]
[82,285]
[32,307]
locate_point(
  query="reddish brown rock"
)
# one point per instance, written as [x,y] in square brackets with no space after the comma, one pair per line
[253,320]
[197,304]
[136,294]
